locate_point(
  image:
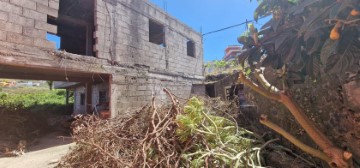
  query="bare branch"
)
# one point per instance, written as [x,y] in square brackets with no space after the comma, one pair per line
[338,157]
[292,139]
[262,91]
[261,78]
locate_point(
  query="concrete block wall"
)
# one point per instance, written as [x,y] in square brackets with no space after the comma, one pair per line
[198,90]
[24,22]
[122,35]
[129,92]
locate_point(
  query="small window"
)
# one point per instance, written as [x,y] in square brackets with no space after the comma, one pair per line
[231,92]
[82,99]
[102,97]
[190,48]
[156,33]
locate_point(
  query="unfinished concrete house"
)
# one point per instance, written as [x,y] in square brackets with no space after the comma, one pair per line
[116,51]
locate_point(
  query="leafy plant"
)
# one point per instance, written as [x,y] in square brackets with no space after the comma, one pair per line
[220,64]
[218,142]
[207,65]
[311,37]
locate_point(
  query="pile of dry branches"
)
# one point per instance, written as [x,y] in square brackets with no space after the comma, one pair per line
[167,136]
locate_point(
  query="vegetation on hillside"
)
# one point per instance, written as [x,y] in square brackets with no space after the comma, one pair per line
[23,116]
[34,99]
[221,67]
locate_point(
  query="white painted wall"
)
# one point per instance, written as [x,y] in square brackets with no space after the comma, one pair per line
[81,109]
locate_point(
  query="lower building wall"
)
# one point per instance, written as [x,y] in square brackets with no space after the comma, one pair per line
[129,85]
[221,86]
[80,108]
[224,86]
[198,90]
[129,92]
[102,87]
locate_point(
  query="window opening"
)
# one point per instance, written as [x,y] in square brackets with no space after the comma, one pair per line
[102,97]
[156,33]
[190,48]
[75,26]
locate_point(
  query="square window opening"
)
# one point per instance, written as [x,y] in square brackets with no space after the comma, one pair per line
[75,27]
[190,45]
[156,33]
[102,97]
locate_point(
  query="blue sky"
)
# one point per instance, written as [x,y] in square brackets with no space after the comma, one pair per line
[209,15]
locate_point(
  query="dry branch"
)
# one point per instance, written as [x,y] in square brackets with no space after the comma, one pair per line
[314,152]
[151,137]
[339,158]
[262,91]
[261,78]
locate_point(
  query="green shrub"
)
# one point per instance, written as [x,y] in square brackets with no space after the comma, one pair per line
[217,141]
[35,99]
[61,92]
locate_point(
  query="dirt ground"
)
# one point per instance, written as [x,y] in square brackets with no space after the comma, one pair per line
[45,154]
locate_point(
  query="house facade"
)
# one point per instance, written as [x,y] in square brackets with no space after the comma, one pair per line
[231,52]
[118,51]
[99,93]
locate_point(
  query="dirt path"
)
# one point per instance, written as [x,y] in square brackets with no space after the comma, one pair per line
[44,155]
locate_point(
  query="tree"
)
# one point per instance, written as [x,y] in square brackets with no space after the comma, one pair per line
[220,65]
[309,38]
[306,34]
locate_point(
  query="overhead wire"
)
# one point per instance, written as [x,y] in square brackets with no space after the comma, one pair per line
[230,27]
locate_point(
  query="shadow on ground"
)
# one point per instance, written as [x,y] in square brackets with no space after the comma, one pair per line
[47,151]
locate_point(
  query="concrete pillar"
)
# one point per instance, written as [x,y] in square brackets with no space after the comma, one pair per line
[89,105]
[67,97]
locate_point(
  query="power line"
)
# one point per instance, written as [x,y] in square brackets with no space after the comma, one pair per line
[165,5]
[237,25]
